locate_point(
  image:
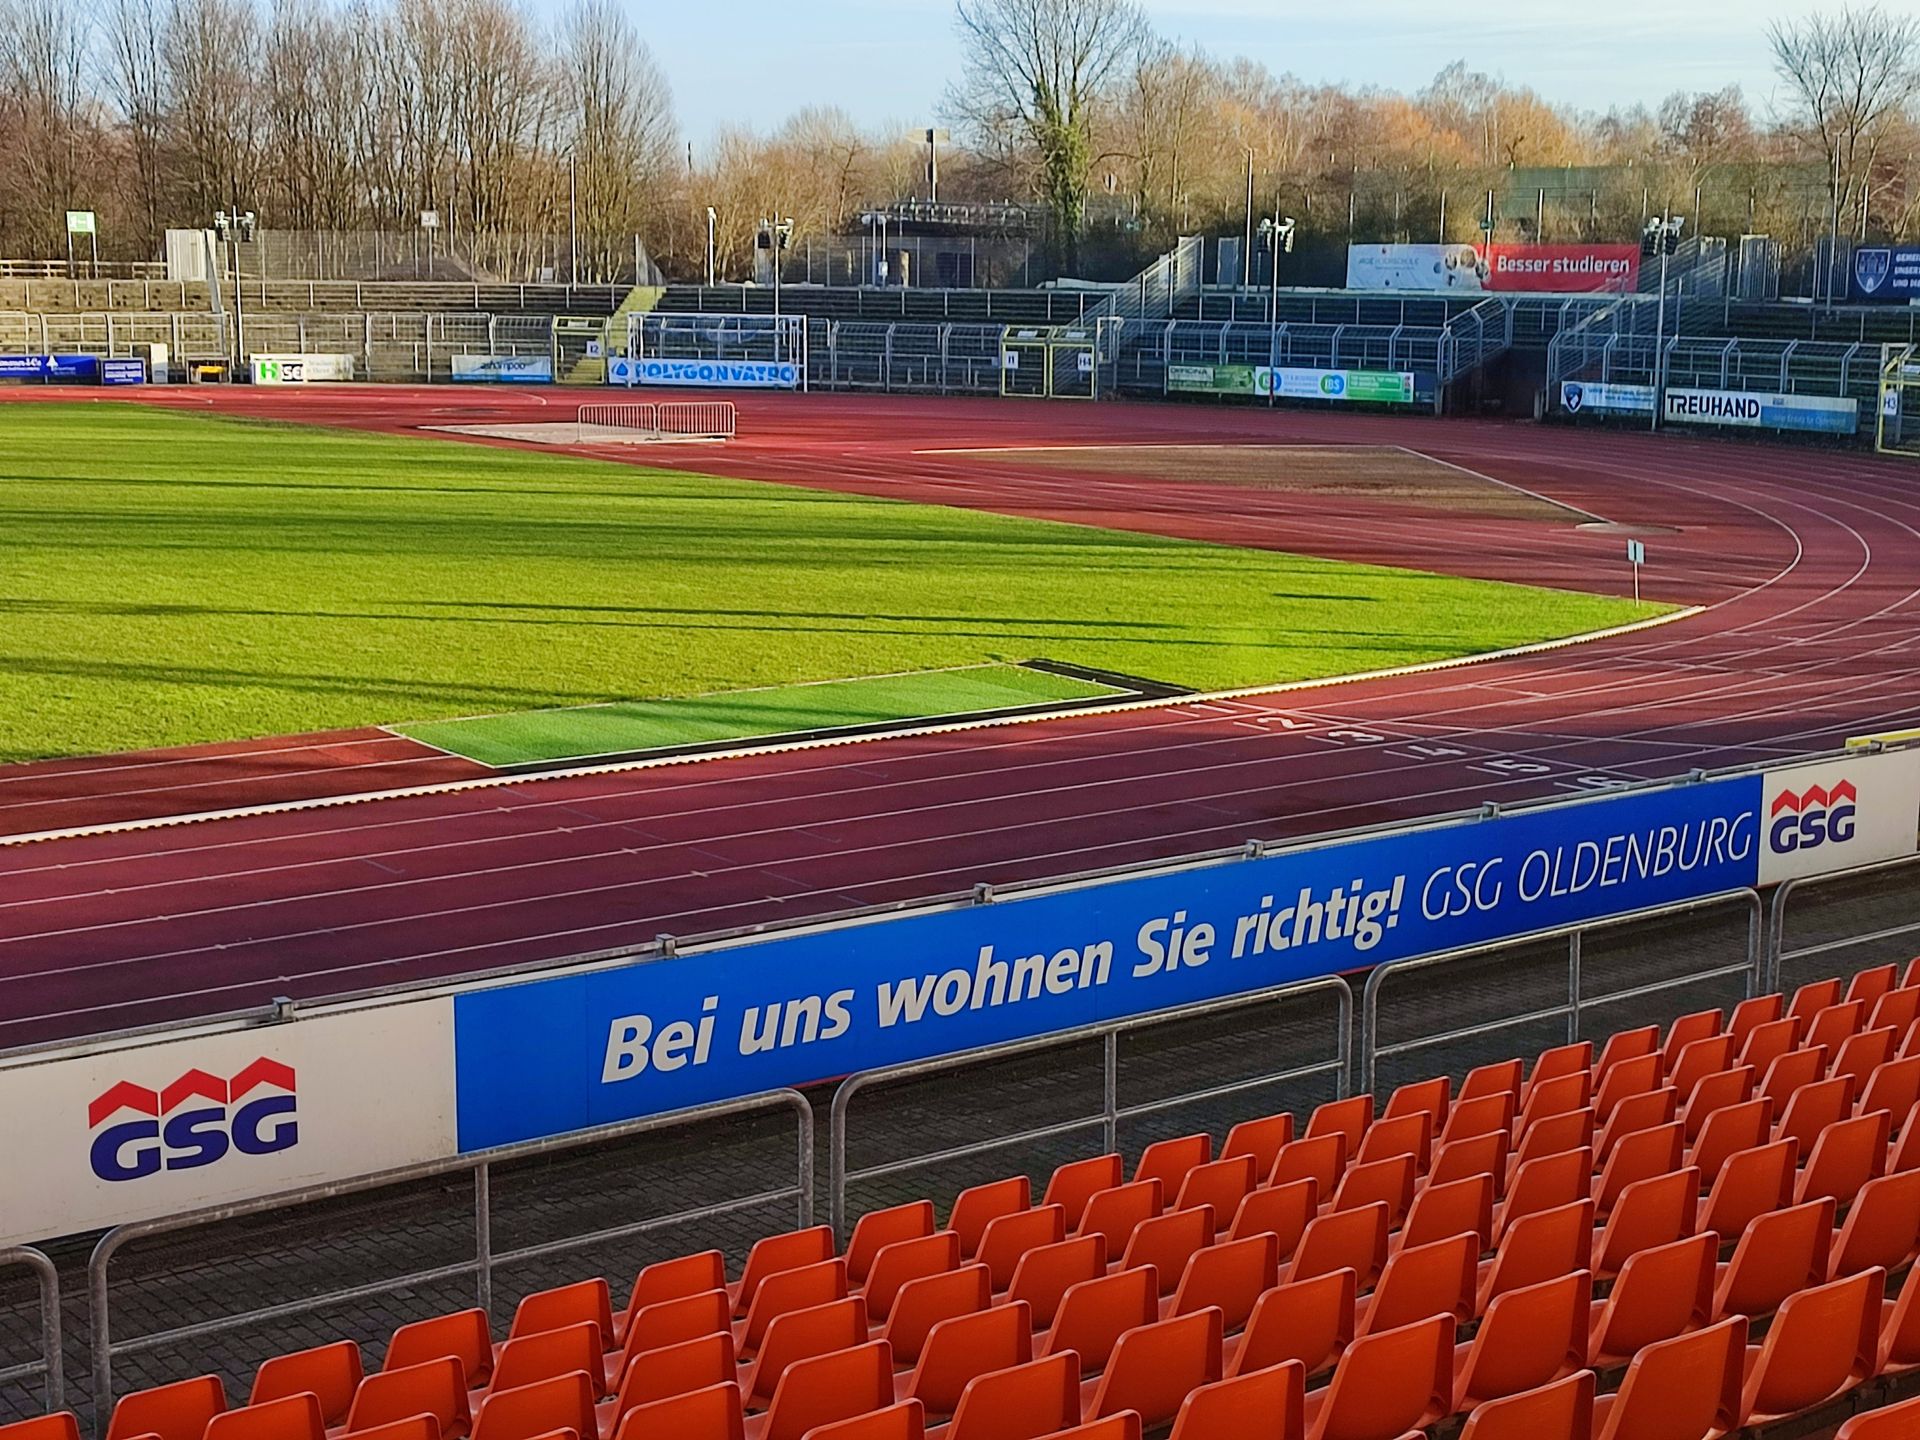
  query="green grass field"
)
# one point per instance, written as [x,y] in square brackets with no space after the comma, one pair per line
[169,577]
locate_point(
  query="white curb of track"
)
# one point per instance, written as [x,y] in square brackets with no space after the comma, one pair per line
[483,782]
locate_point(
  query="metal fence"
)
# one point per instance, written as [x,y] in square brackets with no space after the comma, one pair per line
[45,1367]
[1238,1043]
[1563,986]
[486,1258]
[1837,924]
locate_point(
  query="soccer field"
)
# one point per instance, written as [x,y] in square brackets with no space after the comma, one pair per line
[168,578]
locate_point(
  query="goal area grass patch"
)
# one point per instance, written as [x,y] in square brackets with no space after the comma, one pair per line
[169,577]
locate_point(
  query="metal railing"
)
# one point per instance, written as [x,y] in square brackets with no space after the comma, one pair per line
[1579,1003]
[1827,924]
[486,1259]
[48,1366]
[1112,1112]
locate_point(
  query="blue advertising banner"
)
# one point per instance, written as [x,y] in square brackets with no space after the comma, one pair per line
[724,374]
[547,1056]
[123,372]
[1885,273]
[22,367]
[73,367]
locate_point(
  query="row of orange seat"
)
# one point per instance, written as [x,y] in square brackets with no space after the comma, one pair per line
[1485,1251]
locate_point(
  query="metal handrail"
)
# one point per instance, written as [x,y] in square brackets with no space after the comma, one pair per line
[50,1364]
[480,1165]
[1371,1050]
[1111,1113]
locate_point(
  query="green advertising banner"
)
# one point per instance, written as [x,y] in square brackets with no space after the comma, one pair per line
[1211,379]
[1371,387]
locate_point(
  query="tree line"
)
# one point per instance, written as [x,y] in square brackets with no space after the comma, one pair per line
[360,115]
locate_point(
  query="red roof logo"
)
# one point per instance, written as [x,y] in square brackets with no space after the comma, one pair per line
[194,1084]
[1814,797]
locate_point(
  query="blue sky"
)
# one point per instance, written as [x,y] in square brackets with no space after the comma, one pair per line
[884,61]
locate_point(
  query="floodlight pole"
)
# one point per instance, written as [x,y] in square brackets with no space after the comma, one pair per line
[1666,230]
[573,227]
[712,216]
[1246,254]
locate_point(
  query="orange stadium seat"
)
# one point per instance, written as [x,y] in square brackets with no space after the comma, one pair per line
[1171,1161]
[1283,1211]
[1895,1422]
[1021,1403]
[775,1253]
[1309,1321]
[1260,1140]
[1387,1384]
[1168,1243]
[924,1303]
[61,1425]
[879,1228]
[695,1274]
[1662,1292]
[800,1335]
[1075,1183]
[1269,1403]
[1422,1280]
[1353,1240]
[330,1373]
[1688,1386]
[1113,1213]
[1045,1275]
[291,1417]
[904,1261]
[673,1370]
[1155,1366]
[179,1411]
[433,1387]
[712,1413]
[1882,1228]
[1779,1253]
[980,1205]
[527,1359]
[1221,1184]
[964,1348]
[1560,1411]
[1823,1343]
[566,1305]
[1457,1207]
[1230,1277]
[1529,1337]
[464,1336]
[1095,1313]
[1004,1239]
[800,1288]
[668,1322]
[905,1421]
[526,1412]
[823,1389]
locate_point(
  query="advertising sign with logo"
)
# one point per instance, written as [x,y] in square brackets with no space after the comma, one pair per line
[1754,409]
[127,1134]
[1885,273]
[300,369]
[638,1037]
[1210,379]
[72,367]
[1557,269]
[123,372]
[1581,397]
[723,374]
[1563,269]
[503,369]
[1414,267]
[1838,814]
[1373,387]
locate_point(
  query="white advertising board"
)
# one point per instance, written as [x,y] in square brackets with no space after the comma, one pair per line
[1839,814]
[124,1134]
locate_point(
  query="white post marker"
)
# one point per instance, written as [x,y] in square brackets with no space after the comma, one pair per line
[1636,556]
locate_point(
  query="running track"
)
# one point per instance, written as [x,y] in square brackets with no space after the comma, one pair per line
[1808,562]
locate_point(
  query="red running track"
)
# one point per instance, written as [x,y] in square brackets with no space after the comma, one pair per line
[1809,563]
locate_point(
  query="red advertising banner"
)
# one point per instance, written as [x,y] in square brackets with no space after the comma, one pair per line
[1562,268]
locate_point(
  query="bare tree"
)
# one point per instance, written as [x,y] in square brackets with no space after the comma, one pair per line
[134,70]
[622,133]
[44,48]
[1037,69]
[1851,75]
[213,54]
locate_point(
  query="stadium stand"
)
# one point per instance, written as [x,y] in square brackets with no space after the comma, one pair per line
[1689,1234]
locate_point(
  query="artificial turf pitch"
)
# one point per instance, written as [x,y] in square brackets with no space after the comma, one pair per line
[168,578]
[621,727]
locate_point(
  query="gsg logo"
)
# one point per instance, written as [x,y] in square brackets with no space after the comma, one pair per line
[194,1121]
[1808,820]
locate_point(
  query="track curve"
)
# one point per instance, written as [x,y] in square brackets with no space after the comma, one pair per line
[1808,564]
